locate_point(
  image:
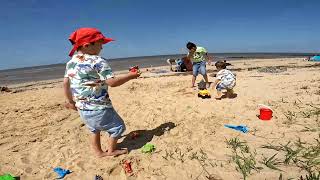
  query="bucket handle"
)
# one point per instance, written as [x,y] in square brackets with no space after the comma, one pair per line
[262,105]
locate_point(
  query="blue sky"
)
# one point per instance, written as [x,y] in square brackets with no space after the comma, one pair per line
[35,32]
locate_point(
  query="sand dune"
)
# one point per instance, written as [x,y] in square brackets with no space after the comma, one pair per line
[37,133]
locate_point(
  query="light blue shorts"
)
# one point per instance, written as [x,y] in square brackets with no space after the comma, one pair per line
[199,68]
[103,120]
[221,87]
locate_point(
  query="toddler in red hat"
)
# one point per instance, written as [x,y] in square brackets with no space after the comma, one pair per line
[86,82]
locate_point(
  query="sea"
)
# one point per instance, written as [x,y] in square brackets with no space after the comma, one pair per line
[56,71]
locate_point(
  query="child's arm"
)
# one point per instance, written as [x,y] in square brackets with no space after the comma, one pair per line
[70,104]
[208,59]
[190,55]
[118,81]
[215,83]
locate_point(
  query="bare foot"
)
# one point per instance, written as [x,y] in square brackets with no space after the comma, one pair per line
[115,153]
[219,95]
[101,154]
[118,152]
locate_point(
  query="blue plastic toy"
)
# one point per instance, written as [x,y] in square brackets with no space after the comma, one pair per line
[61,172]
[240,128]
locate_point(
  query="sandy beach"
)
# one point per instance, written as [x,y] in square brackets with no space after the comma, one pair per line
[38,134]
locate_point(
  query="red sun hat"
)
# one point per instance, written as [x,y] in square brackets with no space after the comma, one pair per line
[85,36]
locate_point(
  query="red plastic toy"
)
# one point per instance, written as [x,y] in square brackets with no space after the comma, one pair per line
[127,167]
[265,112]
[134,69]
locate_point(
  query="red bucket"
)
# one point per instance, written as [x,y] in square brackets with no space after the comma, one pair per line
[265,113]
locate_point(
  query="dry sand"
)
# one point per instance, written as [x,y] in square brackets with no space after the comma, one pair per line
[37,133]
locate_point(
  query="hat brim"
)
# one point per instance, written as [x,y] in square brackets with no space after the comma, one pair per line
[107,40]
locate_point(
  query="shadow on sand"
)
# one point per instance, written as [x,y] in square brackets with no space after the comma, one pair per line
[234,95]
[136,139]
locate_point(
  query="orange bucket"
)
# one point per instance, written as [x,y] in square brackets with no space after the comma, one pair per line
[265,112]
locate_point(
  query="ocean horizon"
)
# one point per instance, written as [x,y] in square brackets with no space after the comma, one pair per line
[55,71]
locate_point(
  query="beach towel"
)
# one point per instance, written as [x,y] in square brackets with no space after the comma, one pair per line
[240,128]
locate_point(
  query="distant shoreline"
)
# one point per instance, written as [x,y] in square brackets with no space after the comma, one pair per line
[231,56]
[56,71]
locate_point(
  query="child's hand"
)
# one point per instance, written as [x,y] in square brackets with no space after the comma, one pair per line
[134,72]
[70,105]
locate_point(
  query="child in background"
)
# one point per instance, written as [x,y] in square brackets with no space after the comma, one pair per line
[199,56]
[180,65]
[86,82]
[225,80]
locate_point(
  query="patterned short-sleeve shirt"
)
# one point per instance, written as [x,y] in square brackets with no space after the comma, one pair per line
[199,55]
[227,78]
[87,75]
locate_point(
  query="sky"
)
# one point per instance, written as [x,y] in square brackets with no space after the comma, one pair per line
[35,32]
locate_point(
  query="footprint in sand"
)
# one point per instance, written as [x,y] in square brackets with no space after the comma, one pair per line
[81,165]
[25,160]
[28,170]
[117,172]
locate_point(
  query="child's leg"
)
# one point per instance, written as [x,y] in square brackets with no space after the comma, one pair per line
[229,93]
[112,149]
[104,120]
[96,144]
[219,95]
[207,81]
[112,143]
[115,129]
[206,78]
[193,80]
[219,91]
[195,72]
[203,71]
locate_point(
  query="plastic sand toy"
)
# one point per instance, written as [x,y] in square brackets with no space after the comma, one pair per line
[127,167]
[265,112]
[204,94]
[61,172]
[134,69]
[7,177]
[240,128]
[148,148]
